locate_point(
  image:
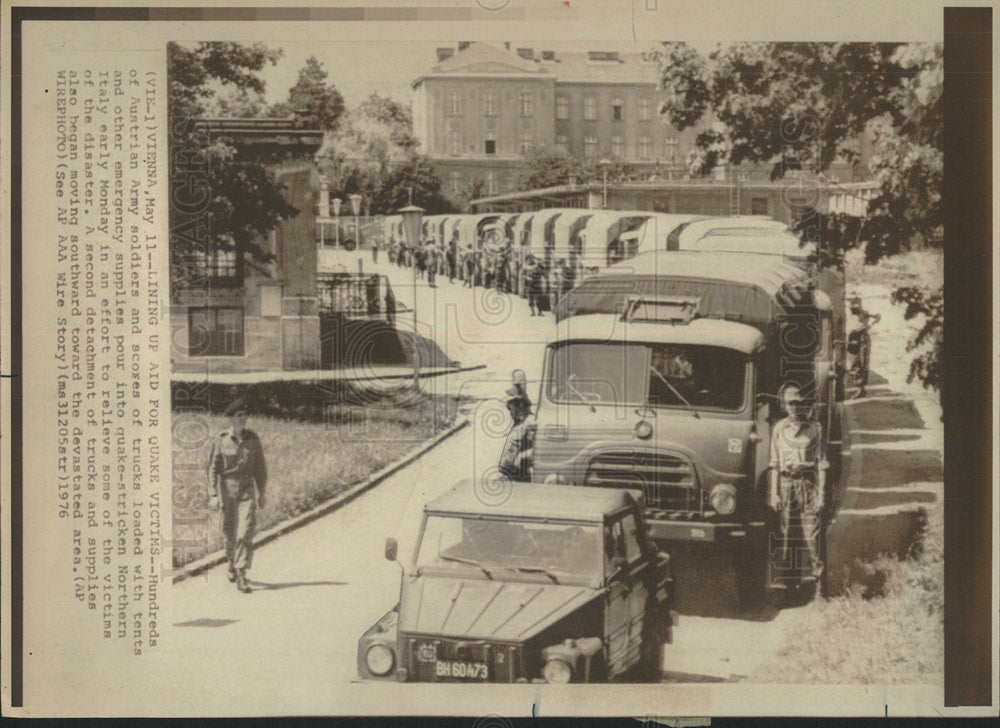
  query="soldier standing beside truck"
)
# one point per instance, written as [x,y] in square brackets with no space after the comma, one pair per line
[797,489]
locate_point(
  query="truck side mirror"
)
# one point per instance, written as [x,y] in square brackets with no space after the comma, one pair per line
[391,548]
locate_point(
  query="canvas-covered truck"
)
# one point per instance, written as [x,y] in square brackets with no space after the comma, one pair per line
[664,375]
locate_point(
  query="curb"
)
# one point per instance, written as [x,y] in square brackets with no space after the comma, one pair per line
[336,503]
[424,374]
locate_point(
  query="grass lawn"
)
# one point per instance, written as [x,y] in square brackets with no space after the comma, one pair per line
[889,629]
[308,462]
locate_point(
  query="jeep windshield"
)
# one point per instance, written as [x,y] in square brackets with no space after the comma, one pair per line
[684,376]
[491,548]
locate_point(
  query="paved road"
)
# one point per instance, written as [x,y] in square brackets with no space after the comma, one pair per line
[317,589]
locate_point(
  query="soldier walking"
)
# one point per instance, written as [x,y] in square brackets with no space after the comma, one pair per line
[798,482]
[237,477]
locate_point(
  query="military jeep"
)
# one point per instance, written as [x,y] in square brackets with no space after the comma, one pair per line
[554,584]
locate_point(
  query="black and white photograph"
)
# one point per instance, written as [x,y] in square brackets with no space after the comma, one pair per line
[676,307]
[652,330]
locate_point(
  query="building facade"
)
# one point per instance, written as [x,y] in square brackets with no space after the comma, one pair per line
[482,108]
[231,314]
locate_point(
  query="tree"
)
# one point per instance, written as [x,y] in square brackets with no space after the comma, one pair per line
[472,191]
[542,168]
[806,105]
[219,202]
[319,104]
[373,152]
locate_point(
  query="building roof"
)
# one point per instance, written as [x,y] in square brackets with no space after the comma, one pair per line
[531,500]
[701,331]
[484,59]
[488,59]
[580,68]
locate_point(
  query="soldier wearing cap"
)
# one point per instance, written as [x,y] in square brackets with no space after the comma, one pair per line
[237,477]
[798,478]
[515,459]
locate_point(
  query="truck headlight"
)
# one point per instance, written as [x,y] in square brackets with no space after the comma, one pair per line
[554,479]
[557,671]
[380,660]
[724,499]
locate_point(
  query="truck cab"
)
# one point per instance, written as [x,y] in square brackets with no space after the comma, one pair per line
[664,375]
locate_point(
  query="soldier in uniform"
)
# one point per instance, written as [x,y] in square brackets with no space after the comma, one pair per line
[515,459]
[237,477]
[798,479]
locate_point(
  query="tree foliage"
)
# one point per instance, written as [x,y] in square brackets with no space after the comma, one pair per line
[218,199]
[319,104]
[805,106]
[547,168]
[373,152]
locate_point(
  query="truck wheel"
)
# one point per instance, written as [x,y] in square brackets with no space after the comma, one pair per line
[750,574]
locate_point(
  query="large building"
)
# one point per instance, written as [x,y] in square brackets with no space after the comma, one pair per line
[481,108]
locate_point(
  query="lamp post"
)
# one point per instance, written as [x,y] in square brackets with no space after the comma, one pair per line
[412,219]
[605,163]
[356,208]
[336,212]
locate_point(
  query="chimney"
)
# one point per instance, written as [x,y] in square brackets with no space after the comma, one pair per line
[548,55]
[527,54]
[445,53]
[463,44]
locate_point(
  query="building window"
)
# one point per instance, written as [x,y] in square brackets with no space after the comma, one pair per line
[590,108]
[617,109]
[758,205]
[455,182]
[526,143]
[456,141]
[645,109]
[491,182]
[562,143]
[671,149]
[491,144]
[590,147]
[219,265]
[455,104]
[562,107]
[526,104]
[215,331]
[490,103]
[618,146]
[645,147]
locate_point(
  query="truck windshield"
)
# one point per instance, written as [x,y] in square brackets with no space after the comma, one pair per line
[687,376]
[496,549]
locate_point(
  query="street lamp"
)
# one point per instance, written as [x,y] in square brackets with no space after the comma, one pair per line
[412,219]
[336,211]
[605,163]
[356,207]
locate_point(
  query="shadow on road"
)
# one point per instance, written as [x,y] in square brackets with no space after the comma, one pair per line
[265,586]
[878,515]
[885,414]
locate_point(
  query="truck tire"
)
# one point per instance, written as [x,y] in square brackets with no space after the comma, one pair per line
[750,574]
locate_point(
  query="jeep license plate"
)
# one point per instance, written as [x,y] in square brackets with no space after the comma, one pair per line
[462,670]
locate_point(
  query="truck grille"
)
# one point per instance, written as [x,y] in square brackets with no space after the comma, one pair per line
[667,481]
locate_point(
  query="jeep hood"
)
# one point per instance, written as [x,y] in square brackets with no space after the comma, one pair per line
[484,609]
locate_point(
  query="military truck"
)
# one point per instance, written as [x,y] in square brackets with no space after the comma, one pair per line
[540,585]
[664,375]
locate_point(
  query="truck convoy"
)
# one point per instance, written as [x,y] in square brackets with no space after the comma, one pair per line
[665,375]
